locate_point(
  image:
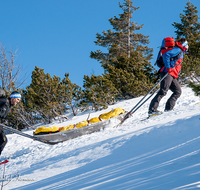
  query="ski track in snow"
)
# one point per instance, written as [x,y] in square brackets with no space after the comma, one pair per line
[162,152]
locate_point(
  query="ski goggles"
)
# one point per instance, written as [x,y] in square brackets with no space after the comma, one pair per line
[185,45]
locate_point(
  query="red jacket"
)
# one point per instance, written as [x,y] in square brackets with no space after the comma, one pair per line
[173,66]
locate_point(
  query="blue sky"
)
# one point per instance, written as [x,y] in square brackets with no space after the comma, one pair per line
[58,35]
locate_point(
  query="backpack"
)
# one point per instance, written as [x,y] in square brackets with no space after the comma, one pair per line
[3,101]
[167,44]
[2,93]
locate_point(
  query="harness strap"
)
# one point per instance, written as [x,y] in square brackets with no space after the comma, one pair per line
[167,47]
[176,57]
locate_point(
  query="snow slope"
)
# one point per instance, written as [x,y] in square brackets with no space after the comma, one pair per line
[160,153]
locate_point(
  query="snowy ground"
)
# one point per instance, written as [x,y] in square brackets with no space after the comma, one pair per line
[160,153]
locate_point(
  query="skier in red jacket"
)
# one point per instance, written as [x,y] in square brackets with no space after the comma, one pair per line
[172,66]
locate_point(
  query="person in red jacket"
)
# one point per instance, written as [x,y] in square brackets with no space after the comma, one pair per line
[172,58]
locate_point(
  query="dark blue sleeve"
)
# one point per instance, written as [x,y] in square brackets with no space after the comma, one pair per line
[4,107]
[2,101]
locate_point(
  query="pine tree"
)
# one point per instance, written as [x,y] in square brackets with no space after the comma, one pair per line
[190,29]
[98,91]
[47,98]
[195,87]
[129,77]
[40,95]
[71,94]
[126,63]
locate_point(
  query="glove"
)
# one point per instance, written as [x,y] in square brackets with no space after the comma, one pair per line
[169,70]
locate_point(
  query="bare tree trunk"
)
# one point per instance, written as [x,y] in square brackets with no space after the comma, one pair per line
[54,111]
[24,119]
[9,71]
[3,67]
[129,39]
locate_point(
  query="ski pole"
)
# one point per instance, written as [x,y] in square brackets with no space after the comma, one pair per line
[145,101]
[135,107]
[26,135]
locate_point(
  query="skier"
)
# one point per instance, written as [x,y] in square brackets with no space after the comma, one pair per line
[172,65]
[5,107]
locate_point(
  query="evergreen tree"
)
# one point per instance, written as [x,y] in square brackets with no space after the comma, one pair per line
[71,94]
[195,87]
[132,80]
[47,98]
[128,54]
[190,29]
[98,91]
[41,94]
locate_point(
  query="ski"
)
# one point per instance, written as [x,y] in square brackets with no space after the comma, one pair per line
[153,115]
[26,135]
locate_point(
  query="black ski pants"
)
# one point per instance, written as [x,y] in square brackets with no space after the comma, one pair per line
[3,139]
[167,83]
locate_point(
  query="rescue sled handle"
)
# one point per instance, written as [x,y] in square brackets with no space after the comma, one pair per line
[26,135]
[137,106]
